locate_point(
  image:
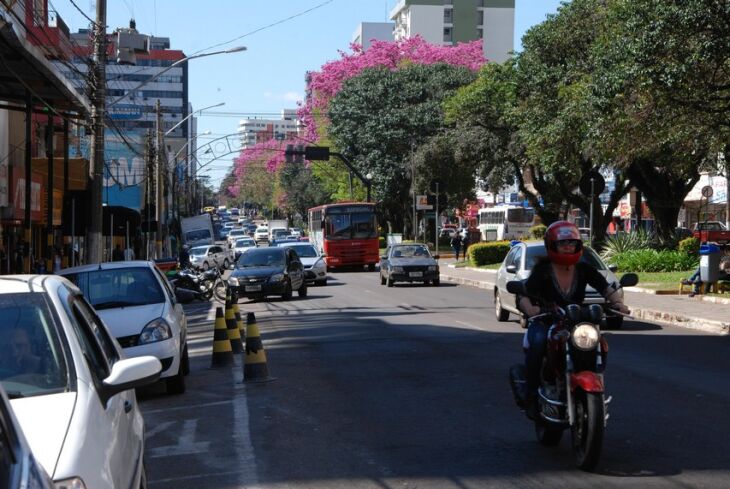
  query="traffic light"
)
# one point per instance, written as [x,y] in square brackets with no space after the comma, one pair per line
[317,153]
[294,154]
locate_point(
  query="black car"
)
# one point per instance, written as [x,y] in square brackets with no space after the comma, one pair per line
[262,272]
[408,263]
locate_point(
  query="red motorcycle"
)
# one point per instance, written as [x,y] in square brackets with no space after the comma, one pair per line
[571,393]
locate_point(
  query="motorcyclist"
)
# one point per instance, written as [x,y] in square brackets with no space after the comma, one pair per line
[184,258]
[558,280]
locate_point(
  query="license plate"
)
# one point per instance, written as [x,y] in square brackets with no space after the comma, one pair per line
[416,274]
[253,288]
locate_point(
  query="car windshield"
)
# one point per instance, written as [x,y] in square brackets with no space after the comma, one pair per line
[241,243]
[197,235]
[534,253]
[263,258]
[305,251]
[31,358]
[119,287]
[237,232]
[199,251]
[411,252]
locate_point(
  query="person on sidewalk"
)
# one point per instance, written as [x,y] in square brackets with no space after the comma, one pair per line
[695,281]
[456,244]
[558,280]
[465,242]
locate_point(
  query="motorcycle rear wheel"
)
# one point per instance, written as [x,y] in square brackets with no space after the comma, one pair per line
[588,429]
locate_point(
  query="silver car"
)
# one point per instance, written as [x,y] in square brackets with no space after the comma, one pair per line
[517,265]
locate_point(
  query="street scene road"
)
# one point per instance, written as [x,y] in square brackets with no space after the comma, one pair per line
[407,387]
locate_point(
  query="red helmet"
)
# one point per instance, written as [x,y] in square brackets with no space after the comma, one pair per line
[563,231]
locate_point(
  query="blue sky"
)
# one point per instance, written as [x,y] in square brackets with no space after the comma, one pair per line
[269,76]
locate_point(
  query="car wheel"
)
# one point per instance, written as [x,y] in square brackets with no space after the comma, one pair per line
[206,266]
[389,282]
[382,279]
[499,311]
[226,264]
[185,361]
[287,292]
[176,384]
[436,282]
[321,282]
[302,291]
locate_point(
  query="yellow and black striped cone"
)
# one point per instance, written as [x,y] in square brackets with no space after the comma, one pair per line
[239,322]
[222,353]
[254,367]
[234,335]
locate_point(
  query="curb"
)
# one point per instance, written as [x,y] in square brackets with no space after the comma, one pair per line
[662,317]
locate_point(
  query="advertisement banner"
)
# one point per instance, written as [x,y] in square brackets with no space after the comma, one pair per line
[36,189]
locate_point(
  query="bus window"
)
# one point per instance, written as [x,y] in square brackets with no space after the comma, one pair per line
[337,226]
[364,226]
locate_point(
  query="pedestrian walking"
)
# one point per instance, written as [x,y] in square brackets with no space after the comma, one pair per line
[456,244]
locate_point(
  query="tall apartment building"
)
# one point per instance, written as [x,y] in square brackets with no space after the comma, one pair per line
[367,31]
[452,21]
[255,130]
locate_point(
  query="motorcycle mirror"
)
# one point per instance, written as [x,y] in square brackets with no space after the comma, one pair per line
[629,280]
[516,287]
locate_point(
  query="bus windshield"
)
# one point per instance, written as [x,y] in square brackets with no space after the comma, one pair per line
[359,225]
[520,215]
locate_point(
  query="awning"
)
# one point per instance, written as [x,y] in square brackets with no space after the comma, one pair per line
[23,67]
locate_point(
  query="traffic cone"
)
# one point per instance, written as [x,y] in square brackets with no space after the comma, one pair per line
[234,335]
[239,322]
[222,353]
[254,367]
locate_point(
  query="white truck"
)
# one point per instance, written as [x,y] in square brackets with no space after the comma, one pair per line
[197,230]
[276,224]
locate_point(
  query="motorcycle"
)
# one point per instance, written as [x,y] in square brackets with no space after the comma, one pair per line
[572,390]
[188,279]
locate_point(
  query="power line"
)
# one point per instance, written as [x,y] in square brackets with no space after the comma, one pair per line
[82,12]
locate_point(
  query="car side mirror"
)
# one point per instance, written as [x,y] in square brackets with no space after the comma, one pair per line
[436,257]
[511,269]
[130,373]
[613,268]
[628,280]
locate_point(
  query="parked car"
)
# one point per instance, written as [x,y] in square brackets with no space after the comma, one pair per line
[70,385]
[140,307]
[712,231]
[19,468]
[518,264]
[315,268]
[263,272]
[408,263]
[207,257]
[242,245]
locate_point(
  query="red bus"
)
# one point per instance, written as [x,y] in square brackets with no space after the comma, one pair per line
[346,232]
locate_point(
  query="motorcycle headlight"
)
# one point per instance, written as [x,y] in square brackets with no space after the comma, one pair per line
[233,281]
[277,277]
[73,483]
[585,336]
[398,269]
[156,330]
[433,268]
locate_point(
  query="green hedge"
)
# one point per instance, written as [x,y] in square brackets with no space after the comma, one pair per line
[480,254]
[654,261]
[538,232]
[690,245]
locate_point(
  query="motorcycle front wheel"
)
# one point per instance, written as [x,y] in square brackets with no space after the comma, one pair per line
[208,293]
[219,289]
[588,429]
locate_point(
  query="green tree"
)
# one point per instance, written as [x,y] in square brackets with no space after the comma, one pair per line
[380,117]
[302,189]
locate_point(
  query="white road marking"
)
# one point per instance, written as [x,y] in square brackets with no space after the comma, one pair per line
[157,429]
[468,325]
[186,444]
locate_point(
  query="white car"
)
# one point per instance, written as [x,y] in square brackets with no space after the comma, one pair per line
[261,234]
[297,232]
[70,385]
[209,256]
[138,304]
[242,245]
[315,268]
[235,235]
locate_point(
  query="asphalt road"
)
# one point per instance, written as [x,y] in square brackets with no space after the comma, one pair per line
[407,387]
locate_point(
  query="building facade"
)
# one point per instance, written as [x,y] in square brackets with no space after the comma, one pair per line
[369,31]
[454,21]
[256,130]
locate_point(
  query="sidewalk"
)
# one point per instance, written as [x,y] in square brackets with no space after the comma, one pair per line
[708,315]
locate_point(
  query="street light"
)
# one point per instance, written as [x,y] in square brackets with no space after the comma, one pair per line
[176,63]
[190,115]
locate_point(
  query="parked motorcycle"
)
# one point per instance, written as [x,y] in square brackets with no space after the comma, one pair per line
[571,393]
[189,279]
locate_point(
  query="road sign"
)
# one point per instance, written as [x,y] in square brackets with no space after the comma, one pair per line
[599,184]
[707,191]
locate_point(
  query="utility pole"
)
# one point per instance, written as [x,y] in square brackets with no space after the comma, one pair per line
[98,94]
[158,180]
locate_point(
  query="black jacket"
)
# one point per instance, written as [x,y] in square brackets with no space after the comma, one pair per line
[542,284]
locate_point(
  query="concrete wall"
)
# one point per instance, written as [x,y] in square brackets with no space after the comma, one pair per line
[499,27]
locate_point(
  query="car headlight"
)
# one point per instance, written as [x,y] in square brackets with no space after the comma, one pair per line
[72,483]
[585,336]
[433,268]
[277,277]
[397,269]
[233,281]
[156,330]
[319,264]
